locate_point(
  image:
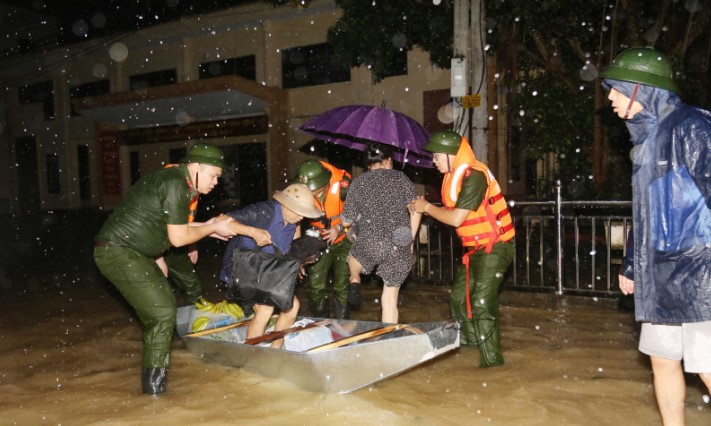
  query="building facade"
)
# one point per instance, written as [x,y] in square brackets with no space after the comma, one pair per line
[85,121]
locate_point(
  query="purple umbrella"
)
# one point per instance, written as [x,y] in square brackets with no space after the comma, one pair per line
[353,126]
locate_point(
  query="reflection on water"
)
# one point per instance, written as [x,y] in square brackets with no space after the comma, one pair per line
[70,355]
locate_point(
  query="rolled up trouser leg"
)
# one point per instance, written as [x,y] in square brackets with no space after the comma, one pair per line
[486,272]
[144,287]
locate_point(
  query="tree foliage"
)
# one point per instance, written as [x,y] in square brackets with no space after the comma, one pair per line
[560,37]
[556,48]
[553,48]
[371,33]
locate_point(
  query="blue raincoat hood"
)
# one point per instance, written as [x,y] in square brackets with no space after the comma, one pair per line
[671,178]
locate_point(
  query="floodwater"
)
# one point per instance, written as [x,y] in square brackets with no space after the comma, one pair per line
[70,355]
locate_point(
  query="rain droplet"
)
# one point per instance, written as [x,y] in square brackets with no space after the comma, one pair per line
[80,28]
[182,118]
[399,40]
[118,52]
[99,70]
[98,20]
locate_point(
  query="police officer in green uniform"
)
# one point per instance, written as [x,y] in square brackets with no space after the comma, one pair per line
[329,185]
[472,202]
[152,217]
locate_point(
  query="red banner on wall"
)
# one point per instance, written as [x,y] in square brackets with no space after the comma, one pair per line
[110,163]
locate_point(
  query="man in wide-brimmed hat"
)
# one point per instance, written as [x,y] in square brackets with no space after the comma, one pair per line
[280,218]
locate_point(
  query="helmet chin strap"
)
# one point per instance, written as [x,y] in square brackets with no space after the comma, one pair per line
[629,107]
[449,166]
[196,177]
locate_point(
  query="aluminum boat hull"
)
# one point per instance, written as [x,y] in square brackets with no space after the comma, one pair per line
[338,370]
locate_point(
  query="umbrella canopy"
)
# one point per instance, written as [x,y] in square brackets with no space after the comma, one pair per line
[354,126]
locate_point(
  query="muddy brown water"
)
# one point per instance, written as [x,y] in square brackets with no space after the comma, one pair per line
[70,355]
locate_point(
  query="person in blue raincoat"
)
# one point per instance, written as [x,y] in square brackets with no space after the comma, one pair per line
[670,275]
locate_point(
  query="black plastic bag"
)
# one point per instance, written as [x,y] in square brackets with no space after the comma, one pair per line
[263,278]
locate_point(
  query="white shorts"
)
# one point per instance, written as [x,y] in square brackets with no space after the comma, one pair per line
[689,341]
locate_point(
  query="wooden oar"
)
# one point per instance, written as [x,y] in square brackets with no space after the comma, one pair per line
[362,336]
[274,335]
[218,329]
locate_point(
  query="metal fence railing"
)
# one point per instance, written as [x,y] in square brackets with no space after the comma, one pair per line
[572,247]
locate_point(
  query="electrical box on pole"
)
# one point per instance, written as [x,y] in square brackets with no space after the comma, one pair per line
[459,78]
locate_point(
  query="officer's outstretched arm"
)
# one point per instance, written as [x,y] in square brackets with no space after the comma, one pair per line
[180,235]
[454,217]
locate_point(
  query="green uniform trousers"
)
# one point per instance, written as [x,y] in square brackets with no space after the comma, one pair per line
[181,271]
[141,282]
[317,275]
[486,273]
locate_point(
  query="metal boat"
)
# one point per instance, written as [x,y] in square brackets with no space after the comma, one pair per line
[323,355]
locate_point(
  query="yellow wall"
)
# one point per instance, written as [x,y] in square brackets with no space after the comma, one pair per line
[252,29]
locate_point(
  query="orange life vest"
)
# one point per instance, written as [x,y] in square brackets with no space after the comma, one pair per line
[491,222]
[332,205]
[488,224]
[192,207]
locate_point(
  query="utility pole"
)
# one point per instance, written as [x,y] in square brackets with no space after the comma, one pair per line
[469,42]
[480,113]
[461,64]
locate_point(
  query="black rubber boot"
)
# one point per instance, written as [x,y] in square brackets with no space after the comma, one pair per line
[154,380]
[341,311]
[354,298]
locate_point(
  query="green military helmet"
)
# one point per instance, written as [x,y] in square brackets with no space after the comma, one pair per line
[644,65]
[445,141]
[205,153]
[312,174]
